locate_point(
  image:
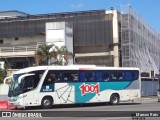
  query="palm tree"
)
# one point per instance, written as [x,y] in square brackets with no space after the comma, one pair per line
[51,55]
[62,55]
[2,75]
[43,54]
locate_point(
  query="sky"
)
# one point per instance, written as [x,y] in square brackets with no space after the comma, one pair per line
[148,9]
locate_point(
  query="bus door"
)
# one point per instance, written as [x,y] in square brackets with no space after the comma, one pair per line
[69,84]
[48,86]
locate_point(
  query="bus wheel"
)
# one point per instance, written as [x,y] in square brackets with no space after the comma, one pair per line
[114,100]
[47,103]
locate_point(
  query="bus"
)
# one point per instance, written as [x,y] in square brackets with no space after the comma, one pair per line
[46,86]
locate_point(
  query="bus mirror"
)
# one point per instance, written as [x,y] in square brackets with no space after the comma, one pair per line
[23,76]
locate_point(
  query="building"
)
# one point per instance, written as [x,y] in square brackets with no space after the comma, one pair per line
[101,37]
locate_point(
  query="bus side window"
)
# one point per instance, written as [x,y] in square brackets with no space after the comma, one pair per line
[28,83]
[74,77]
[105,76]
[65,77]
[128,76]
[121,76]
[87,76]
[53,78]
[99,76]
[59,76]
[48,80]
[70,76]
[90,76]
[135,75]
[117,75]
[113,76]
[82,76]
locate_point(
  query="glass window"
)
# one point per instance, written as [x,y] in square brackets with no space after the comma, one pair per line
[105,76]
[87,76]
[53,76]
[75,76]
[131,75]
[28,83]
[70,76]
[48,80]
[117,75]
[99,76]
[135,75]
[128,76]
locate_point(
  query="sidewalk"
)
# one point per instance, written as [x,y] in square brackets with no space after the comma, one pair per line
[148,99]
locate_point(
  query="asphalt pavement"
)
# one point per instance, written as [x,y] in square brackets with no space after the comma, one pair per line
[103,111]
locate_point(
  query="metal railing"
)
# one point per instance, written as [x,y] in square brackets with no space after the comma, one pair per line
[21,51]
[18,51]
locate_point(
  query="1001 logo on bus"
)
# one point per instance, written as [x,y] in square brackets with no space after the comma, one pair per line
[85,88]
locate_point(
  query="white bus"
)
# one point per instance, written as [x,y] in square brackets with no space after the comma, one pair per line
[49,85]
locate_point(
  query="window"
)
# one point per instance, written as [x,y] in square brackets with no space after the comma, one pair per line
[48,80]
[105,76]
[117,75]
[128,76]
[37,76]
[99,76]
[28,83]
[135,74]
[53,76]
[131,75]
[70,76]
[87,76]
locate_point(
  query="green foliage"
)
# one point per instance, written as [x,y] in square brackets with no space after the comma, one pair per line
[2,75]
[50,54]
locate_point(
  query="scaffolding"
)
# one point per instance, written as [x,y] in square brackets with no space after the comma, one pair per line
[139,42]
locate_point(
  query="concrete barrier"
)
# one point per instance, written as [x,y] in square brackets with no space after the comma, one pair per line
[4,91]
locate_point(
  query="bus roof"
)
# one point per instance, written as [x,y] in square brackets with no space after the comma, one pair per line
[72,67]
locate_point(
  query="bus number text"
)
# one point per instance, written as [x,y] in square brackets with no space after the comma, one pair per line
[85,88]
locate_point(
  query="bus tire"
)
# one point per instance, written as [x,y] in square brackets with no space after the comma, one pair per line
[114,99]
[47,103]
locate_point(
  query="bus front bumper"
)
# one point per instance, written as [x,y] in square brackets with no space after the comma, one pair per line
[18,103]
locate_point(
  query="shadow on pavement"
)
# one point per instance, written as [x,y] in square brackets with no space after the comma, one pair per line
[79,105]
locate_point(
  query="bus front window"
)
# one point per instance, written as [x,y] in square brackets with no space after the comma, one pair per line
[22,83]
[15,88]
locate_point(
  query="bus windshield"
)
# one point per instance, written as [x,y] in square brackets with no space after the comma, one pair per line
[15,88]
[26,83]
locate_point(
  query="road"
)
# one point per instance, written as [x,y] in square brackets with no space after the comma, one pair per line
[101,111]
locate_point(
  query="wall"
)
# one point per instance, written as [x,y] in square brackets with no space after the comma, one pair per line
[4,91]
[149,87]
[92,31]
[22,40]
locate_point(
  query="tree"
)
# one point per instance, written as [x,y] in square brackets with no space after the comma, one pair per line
[2,75]
[62,55]
[51,55]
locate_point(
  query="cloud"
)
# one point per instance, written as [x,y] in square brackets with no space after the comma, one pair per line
[77,5]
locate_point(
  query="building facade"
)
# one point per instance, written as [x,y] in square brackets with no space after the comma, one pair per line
[92,36]
[100,37]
